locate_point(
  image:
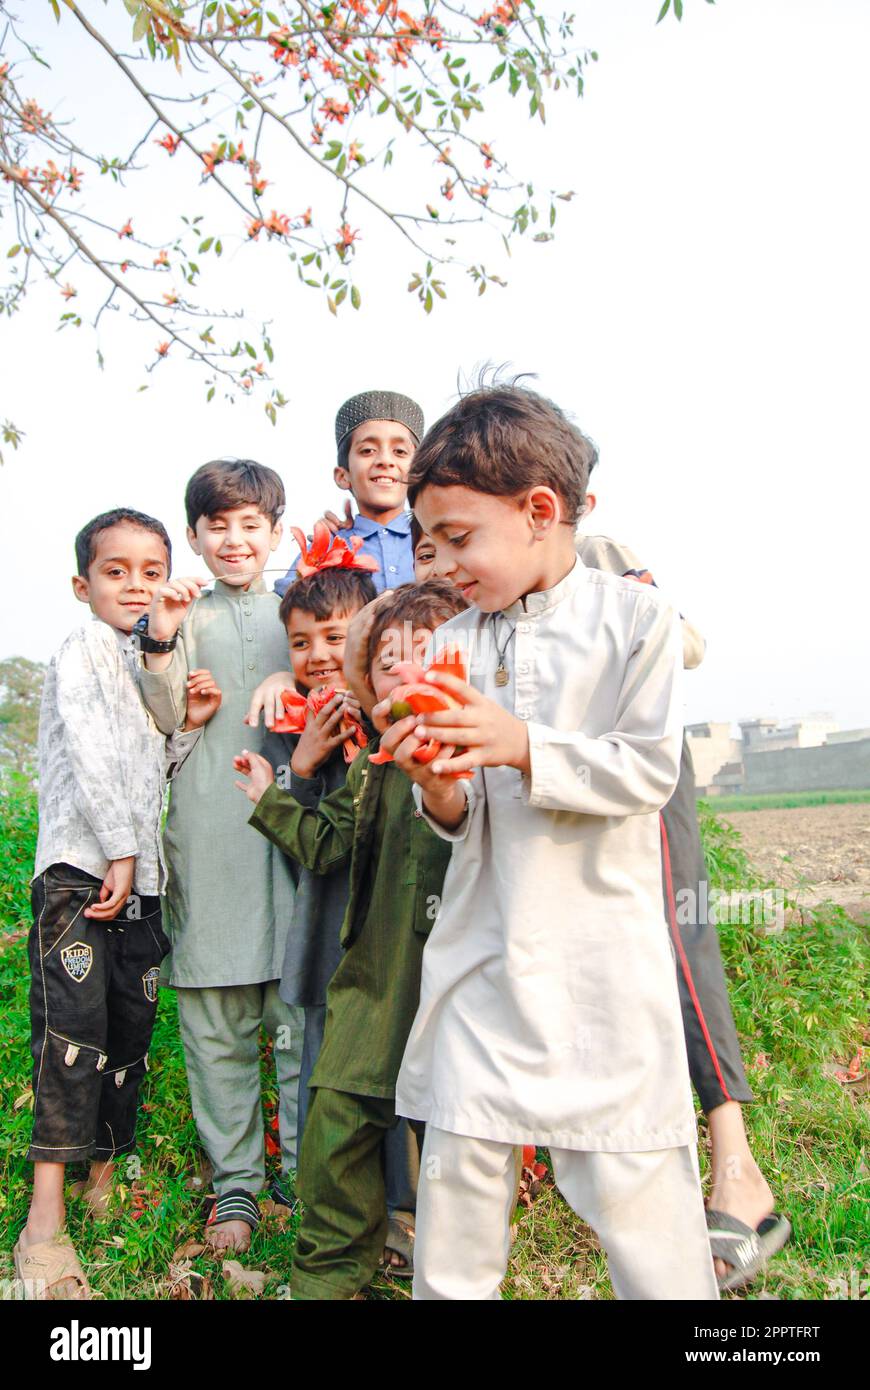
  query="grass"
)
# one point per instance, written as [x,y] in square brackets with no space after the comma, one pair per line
[771,801]
[797,998]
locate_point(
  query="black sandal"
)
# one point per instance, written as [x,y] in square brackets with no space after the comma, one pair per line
[746,1250]
[236,1205]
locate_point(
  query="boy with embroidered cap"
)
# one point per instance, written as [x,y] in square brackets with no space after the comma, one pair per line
[97,940]
[548,1003]
[376,434]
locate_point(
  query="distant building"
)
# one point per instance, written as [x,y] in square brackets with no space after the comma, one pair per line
[768,735]
[809,754]
[712,747]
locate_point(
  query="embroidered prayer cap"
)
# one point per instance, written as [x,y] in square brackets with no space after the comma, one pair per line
[378,405]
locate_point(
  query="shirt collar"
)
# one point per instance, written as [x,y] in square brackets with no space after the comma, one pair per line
[257,586]
[545,599]
[400,525]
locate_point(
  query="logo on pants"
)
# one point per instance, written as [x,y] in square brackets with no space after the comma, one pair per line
[149,983]
[77,960]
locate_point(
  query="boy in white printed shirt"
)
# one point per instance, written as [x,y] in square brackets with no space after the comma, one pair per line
[548,1005]
[102,773]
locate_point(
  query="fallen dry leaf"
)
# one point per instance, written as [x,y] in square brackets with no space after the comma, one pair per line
[189,1250]
[244,1283]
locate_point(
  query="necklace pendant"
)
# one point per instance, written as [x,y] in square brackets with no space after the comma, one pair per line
[501,675]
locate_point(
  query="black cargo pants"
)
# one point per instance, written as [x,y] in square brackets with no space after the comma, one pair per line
[93,1000]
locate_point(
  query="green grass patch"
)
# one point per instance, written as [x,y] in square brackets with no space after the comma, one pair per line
[772,801]
[798,999]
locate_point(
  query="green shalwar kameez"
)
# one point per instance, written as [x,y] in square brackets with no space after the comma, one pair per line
[230,894]
[397,867]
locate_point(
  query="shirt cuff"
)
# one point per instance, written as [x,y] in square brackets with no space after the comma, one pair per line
[119,844]
[179,746]
[308,791]
[454,836]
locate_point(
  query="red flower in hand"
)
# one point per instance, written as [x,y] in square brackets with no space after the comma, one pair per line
[417,696]
[296,710]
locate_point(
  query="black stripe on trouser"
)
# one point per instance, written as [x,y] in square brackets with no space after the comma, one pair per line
[92,1006]
[715,1063]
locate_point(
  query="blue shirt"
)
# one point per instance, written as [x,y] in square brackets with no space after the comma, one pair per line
[390,545]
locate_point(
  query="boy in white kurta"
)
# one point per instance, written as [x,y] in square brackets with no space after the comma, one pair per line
[548,1004]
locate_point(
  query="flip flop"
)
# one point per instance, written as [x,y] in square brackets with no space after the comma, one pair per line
[746,1250]
[400,1238]
[47,1264]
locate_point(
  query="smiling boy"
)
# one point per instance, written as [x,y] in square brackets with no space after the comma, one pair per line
[231,894]
[93,994]
[376,434]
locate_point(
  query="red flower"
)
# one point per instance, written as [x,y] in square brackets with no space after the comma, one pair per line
[418,696]
[161,259]
[169,143]
[162,349]
[346,238]
[323,555]
[279,224]
[126,230]
[297,708]
[68,292]
[335,111]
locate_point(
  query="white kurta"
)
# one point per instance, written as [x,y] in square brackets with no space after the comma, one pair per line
[549,1008]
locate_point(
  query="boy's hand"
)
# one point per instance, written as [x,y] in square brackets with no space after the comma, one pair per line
[257,770]
[354,662]
[115,890]
[489,736]
[334,524]
[443,797]
[267,698]
[169,606]
[320,737]
[203,699]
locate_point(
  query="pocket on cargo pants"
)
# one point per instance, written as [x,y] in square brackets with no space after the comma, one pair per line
[68,1014]
[136,946]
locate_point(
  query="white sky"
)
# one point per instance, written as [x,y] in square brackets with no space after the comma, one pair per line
[703,314]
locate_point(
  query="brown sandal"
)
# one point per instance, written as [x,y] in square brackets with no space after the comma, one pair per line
[48,1264]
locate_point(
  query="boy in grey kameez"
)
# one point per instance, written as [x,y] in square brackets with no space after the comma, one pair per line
[230,896]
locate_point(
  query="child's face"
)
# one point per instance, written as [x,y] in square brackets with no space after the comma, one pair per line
[128,567]
[488,546]
[377,466]
[317,648]
[424,559]
[395,647]
[235,544]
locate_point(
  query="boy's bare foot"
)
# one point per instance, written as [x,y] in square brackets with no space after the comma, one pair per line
[229,1235]
[232,1219]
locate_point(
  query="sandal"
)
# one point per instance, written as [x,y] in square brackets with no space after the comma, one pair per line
[47,1264]
[237,1205]
[400,1238]
[746,1250]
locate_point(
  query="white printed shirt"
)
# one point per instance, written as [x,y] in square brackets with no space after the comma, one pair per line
[102,760]
[548,1008]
